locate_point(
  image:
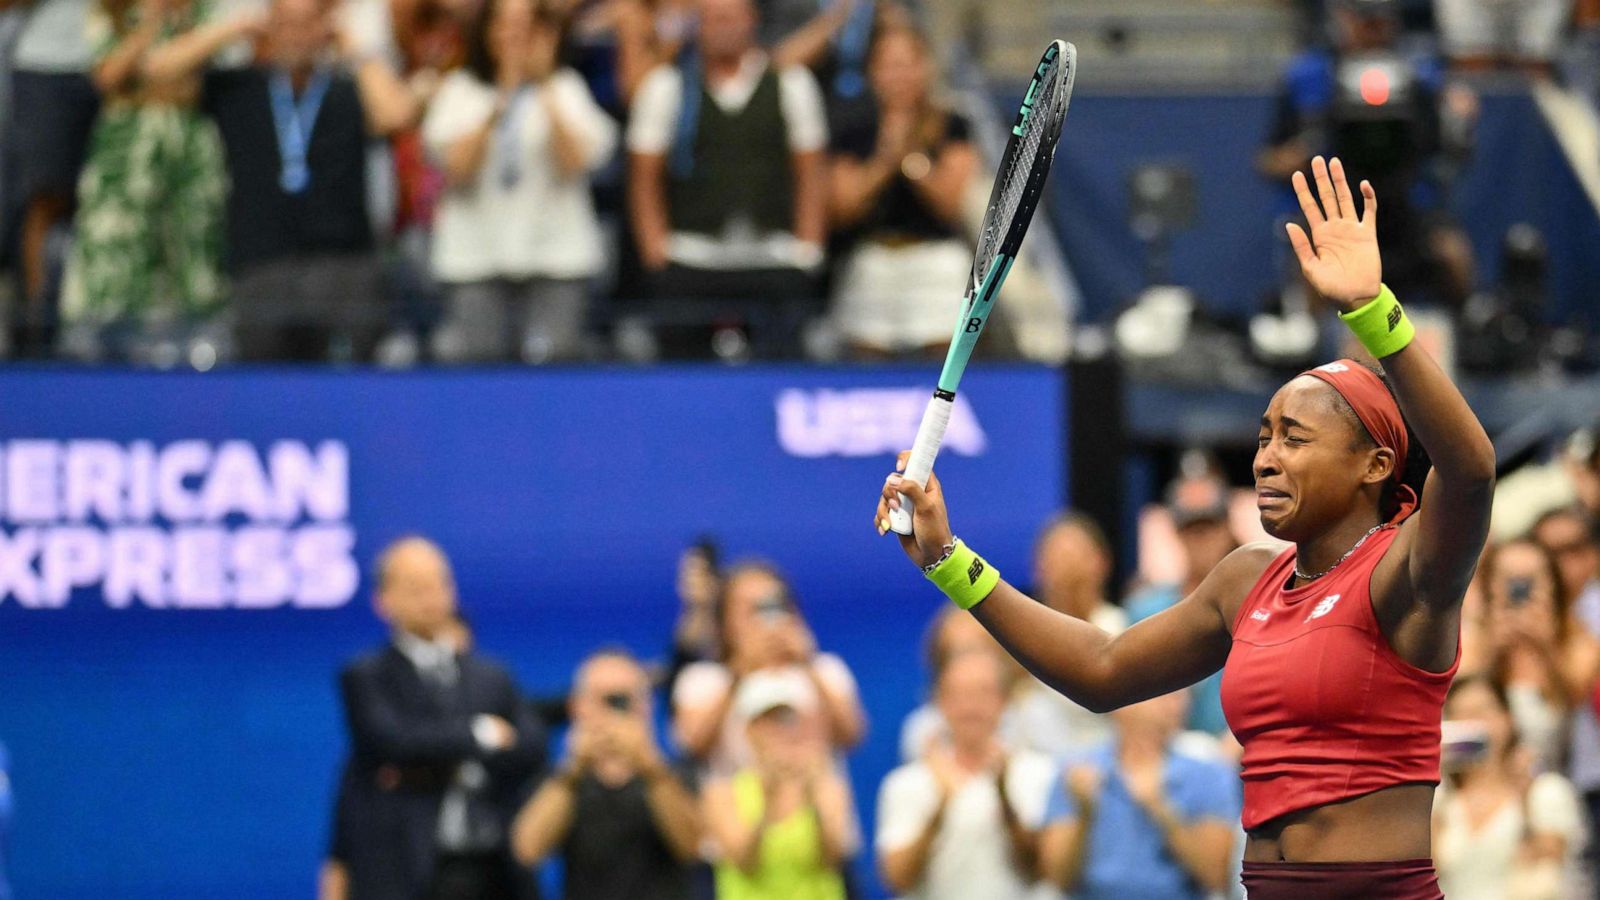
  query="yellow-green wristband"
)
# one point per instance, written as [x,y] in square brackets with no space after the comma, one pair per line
[964,576]
[1381,324]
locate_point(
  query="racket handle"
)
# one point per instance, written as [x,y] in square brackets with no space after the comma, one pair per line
[929,435]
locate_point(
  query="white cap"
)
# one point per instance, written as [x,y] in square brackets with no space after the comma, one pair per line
[762,692]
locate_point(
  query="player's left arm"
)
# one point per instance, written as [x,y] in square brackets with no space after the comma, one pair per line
[1442,542]
[1438,547]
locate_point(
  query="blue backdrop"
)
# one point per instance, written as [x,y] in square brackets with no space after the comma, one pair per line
[167,742]
[1233,256]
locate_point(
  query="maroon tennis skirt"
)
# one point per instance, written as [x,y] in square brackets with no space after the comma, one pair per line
[1398,879]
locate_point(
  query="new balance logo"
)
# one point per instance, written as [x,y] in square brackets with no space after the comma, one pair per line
[1394,316]
[1333,367]
[1325,607]
[974,571]
[1259,616]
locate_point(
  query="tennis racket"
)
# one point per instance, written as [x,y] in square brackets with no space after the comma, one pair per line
[1017,187]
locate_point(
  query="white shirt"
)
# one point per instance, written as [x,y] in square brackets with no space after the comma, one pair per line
[652,128]
[543,223]
[704,684]
[54,38]
[926,725]
[1484,864]
[971,855]
[1048,722]
[430,657]
[436,659]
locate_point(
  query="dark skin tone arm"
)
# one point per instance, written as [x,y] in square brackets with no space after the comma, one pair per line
[1416,588]
[1167,651]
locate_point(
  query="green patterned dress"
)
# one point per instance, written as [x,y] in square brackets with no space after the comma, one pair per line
[151,206]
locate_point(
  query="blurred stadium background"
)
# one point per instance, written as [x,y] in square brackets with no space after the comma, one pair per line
[195,481]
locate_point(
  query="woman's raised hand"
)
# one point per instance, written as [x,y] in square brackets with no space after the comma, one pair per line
[1340,257]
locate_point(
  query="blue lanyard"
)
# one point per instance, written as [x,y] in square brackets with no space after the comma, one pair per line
[688,126]
[850,47]
[293,121]
[508,136]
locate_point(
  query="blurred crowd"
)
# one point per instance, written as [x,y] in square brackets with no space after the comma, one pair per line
[465,180]
[1393,88]
[195,181]
[722,770]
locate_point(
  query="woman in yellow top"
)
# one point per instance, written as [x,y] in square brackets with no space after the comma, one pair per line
[785,825]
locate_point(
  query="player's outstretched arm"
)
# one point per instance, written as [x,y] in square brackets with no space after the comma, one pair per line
[1163,653]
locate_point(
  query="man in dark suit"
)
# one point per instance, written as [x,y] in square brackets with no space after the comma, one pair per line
[442,750]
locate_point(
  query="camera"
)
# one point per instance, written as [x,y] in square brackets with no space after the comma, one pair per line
[1462,743]
[1519,590]
[1376,120]
[772,609]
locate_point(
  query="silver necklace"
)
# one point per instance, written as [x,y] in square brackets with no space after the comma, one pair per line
[1304,577]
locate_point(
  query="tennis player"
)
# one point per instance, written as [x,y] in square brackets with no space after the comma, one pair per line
[1336,652]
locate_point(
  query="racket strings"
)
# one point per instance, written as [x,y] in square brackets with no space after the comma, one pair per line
[1017,171]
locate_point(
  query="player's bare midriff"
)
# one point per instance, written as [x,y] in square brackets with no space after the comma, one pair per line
[1390,824]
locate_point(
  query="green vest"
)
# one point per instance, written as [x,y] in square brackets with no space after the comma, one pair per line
[789,863]
[741,168]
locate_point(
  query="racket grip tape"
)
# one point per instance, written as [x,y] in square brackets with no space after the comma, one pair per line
[935,419]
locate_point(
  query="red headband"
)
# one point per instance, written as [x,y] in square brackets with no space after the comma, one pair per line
[1379,414]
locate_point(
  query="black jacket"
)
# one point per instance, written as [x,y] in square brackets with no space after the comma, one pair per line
[406,740]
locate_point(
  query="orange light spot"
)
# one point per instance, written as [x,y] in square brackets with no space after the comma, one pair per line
[1375,87]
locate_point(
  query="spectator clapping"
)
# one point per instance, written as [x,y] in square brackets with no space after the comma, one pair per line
[963,820]
[151,200]
[516,241]
[295,126]
[1138,817]
[899,180]
[727,192]
[784,822]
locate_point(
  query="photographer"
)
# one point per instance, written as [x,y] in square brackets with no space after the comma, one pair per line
[762,631]
[623,821]
[1544,657]
[1386,116]
[1500,831]
[697,636]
